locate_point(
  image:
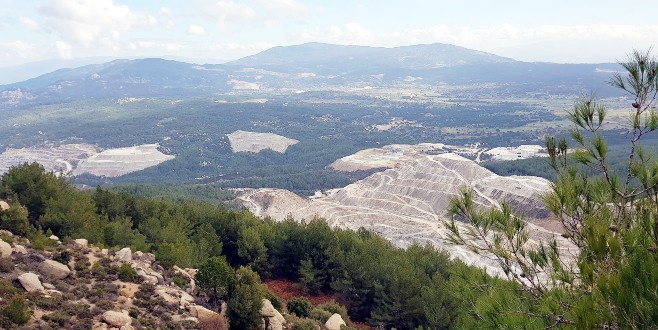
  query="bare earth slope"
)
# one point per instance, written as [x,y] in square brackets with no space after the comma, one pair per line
[406,204]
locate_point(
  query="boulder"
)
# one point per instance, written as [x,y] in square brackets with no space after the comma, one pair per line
[116,319]
[127,327]
[4,206]
[202,313]
[81,242]
[124,255]
[146,258]
[273,324]
[30,282]
[146,276]
[186,299]
[5,249]
[269,311]
[48,286]
[99,326]
[20,249]
[53,269]
[166,294]
[54,238]
[334,322]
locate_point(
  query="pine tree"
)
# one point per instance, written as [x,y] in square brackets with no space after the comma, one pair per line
[611,216]
[246,300]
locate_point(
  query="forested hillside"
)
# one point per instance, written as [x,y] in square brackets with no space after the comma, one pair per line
[379,284]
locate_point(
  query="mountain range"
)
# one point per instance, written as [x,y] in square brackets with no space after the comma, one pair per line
[308,67]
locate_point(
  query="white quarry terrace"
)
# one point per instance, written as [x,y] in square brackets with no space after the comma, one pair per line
[407,203]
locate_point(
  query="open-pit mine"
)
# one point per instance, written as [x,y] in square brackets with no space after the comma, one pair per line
[408,202]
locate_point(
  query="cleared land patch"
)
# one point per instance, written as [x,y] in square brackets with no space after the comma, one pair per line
[76,159]
[256,142]
[121,161]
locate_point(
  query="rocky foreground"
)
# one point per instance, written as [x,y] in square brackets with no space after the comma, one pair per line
[407,203]
[78,286]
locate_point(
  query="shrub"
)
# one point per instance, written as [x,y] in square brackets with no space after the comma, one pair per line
[134,313]
[63,257]
[299,306]
[6,238]
[60,318]
[127,274]
[335,308]
[76,309]
[40,241]
[105,304]
[6,265]
[48,303]
[320,314]
[17,312]
[304,324]
[180,281]
[7,289]
[276,301]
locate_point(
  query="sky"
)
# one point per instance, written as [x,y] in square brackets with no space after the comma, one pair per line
[574,31]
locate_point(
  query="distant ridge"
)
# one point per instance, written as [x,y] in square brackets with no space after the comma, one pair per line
[425,56]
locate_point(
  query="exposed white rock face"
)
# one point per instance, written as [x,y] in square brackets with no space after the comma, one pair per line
[20,249]
[81,242]
[274,324]
[408,203]
[267,310]
[123,255]
[4,206]
[116,319]
[54,238]
[202,313]
[5,249]
[30,282]
[54,270]
[334,322]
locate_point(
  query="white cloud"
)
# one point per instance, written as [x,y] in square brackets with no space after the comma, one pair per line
[196,30]
[19,48]
[224,12]
[229,14]
[236,47]
[29,23]
[351,33]
[285,6]
[64,50]
[155,46]
[165,11]
[83,22]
